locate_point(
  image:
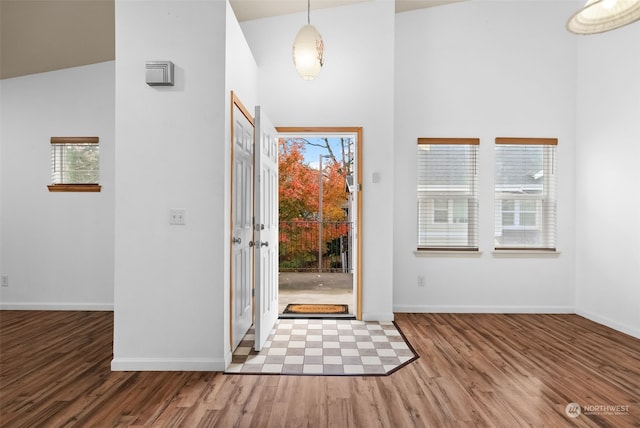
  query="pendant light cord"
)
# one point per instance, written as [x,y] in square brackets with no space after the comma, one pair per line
[308,11]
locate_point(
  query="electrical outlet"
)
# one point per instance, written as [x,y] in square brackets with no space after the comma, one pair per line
[5,280]
[177,217]
[421,281]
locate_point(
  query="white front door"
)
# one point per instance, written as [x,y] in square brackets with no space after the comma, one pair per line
[266,225]
[241,225]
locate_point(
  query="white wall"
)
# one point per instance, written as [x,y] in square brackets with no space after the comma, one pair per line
[242,78]
[173,151]
[57,248]
[169,280]
[484,69]
[608,207]
[354,88]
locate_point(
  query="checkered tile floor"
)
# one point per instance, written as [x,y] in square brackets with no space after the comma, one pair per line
[325,347]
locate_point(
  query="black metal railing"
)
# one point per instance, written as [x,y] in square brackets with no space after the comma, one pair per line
[302,250]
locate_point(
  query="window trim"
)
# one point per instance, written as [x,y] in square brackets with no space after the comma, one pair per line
[75,187]
[465,141]
[448,252]
[421,250]
[526,141]
[526,252]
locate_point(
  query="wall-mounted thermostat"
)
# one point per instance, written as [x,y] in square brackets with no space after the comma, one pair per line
[159,73]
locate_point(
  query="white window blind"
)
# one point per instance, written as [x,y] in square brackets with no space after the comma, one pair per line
[75,160]
[447,193]
[525,193]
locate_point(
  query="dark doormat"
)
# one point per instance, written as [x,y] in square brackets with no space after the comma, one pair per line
[316,309]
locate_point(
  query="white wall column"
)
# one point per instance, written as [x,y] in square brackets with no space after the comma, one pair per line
[169,280]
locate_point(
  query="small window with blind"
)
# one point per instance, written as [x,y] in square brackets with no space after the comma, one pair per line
[75,164]
[448,194]
[525,193]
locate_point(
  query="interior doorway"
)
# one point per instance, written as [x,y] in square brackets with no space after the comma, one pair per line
[254,225]
[320,218]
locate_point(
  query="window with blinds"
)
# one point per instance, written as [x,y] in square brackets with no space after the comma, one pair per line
[448,194]
[75,164]
[525,193]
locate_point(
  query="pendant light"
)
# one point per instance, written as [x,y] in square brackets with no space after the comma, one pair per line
[598,16]
[308,49]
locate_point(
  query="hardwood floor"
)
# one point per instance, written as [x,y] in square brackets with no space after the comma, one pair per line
[473,370]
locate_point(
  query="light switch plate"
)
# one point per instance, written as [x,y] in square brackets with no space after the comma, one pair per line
[177,217]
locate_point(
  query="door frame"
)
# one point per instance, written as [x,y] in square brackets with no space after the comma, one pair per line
[357,130]
[235,102]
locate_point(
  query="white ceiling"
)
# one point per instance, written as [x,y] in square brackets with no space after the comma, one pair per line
[254,9]
[45,35]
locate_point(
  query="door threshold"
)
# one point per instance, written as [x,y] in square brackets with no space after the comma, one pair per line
[317,316]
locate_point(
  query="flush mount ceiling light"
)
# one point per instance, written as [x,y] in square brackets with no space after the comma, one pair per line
[598,16]
[308,49]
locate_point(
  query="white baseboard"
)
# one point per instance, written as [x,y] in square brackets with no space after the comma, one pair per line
[627,329]
[382,317]
[56,306]
[475,309]
[168,364]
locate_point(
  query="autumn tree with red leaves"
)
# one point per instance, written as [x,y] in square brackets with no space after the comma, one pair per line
[299,184]
[299,204]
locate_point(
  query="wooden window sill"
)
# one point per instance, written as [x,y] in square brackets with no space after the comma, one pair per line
[74,187]
[447,253]
[526,252]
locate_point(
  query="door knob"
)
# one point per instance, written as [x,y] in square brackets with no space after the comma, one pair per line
[236,240]
[264,244]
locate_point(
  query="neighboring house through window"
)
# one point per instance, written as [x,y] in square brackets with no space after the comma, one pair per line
[447,193]
[525,193]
